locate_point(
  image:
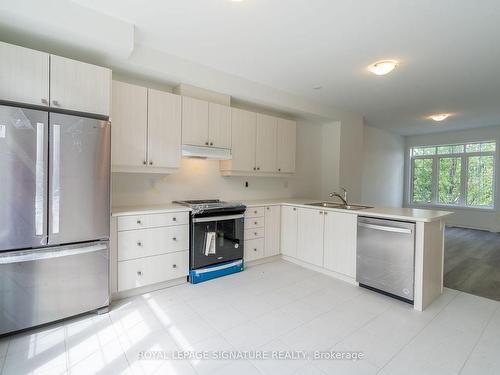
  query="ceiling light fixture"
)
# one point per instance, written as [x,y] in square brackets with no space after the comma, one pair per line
[383,67]
[440,116]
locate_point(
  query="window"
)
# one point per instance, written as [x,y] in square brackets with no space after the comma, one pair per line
[453,175]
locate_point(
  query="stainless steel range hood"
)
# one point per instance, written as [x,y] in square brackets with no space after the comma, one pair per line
[211,153]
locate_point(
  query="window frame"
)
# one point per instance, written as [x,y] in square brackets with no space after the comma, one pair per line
[464,181]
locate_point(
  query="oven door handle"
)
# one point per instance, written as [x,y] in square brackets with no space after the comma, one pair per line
[217,218]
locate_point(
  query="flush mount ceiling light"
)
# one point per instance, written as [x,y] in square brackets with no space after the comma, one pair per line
[440,116]
[383,67]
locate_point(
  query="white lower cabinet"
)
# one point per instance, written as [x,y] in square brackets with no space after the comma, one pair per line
[289,231]
[272,223]
[340,243]
[254,249]
[310,227]
[152,248]
[262,232]
[151,270]
[152,241]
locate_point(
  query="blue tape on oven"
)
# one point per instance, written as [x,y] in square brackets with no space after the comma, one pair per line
[218,270]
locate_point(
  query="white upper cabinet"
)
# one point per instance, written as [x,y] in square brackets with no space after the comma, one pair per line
[78,86]
[146,129]
[243,125]
[265,143]
[289,216]
[272,229]
[194,122]
[164,129]
[219,125]
[286,145]
[261,145]
[310,236]
[340,243]
[205,124]
[24,75]
[129,125]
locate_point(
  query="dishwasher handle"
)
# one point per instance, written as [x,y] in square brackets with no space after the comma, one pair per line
[386,228]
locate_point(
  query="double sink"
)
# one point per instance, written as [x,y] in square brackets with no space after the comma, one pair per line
[350,207]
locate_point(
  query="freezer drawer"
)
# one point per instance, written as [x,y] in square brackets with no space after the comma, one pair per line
[385,256]
[44,285]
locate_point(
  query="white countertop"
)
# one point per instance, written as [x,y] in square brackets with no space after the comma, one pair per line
[148,209]
[407,214]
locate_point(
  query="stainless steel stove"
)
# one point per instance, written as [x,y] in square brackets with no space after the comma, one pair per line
[216,238]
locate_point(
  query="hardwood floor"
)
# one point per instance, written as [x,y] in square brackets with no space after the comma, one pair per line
[472,262]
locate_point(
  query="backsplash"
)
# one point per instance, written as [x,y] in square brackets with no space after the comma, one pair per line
[196,179]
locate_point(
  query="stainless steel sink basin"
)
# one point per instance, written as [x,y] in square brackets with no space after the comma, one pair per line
[350,207]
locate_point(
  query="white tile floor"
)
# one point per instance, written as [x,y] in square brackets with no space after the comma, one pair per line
[274,306]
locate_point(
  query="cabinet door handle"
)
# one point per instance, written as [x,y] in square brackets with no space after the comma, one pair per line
[174,265]
[256,222]
[139,243]
[294,209]
[321,212]
[258,168]
[254,168]
[279,169]
[326,213]
[211,144]
[267,208]
[206,143]
[254,249]
[174,219]
[255,212]
[139,222]
[45,101]
[144,162]
[255,233]
[174,239]
[56,103]
[150,163]
[139,273]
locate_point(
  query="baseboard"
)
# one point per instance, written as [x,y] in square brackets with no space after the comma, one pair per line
[322,270]
[148,288]
[471,227]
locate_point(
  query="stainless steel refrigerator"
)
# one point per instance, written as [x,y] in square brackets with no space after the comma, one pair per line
[54,216]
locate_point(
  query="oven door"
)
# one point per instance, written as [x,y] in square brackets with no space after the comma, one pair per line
[216,239]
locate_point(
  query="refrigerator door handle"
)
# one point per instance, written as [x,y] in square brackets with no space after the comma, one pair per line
[33,255]
[56,177]
[40,179]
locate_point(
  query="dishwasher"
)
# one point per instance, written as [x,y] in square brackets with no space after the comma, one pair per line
[386,257]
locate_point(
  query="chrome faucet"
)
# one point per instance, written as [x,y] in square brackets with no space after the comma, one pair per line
[343,198]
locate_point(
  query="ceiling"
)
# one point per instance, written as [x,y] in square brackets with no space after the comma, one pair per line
[448,49]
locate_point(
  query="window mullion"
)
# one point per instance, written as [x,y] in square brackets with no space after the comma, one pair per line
[463,181]
[435,179]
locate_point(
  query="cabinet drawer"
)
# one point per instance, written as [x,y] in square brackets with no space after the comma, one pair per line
[254,212]
[254,249]
[250,234]
[254,222]
[152,220]
[140,243]
[145,271]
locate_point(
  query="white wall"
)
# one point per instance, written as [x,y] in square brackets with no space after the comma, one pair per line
[471,218]
[383,168]
[330,158]
[351,160]
[199,179]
